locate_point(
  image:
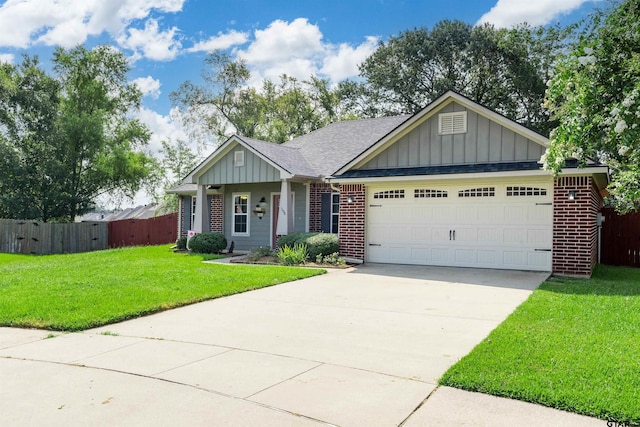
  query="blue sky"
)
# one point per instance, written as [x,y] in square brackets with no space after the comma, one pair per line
[167,40]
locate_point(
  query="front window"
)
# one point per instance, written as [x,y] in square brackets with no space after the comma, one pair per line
[335,212]
[240,215]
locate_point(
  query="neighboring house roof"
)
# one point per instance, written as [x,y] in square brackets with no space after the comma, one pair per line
[139,212]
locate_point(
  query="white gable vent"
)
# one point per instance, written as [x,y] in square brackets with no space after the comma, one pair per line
[238,159]
[452,123]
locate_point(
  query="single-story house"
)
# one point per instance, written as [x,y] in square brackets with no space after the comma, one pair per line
[455,184]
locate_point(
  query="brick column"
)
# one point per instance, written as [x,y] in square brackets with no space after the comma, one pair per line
[180,215]
[315,205]
[217,213]
[352,221]
[575,227]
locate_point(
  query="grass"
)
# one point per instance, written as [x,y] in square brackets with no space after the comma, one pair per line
[573,345]
[80,291]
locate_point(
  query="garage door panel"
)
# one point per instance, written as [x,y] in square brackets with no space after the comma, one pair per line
[539,237]
[516,259]
[539,260]
[492,231]
[487,258]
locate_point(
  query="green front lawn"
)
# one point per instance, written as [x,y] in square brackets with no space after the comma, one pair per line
[573,345]
[81,291]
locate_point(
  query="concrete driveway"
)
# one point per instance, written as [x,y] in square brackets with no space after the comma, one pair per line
[355,347]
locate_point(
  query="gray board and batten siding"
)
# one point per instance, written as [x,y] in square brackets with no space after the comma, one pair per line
[260,229]
[255,169]
[484,142]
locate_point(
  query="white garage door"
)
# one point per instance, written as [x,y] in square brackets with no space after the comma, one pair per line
[507,225]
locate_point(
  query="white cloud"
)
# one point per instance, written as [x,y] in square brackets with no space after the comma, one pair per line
[148,86]
[507,13]
[221,41]
[282,40]
[162,128]
[7,58]
[70,22]
[344,62]
[152,43]
[297,49]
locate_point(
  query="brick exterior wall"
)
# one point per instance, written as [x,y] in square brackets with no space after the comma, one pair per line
[575,228]
[180,216]
[352,221]
[217,213]
[316,190]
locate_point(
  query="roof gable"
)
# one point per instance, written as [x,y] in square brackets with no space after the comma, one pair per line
[264,161]
[489,138]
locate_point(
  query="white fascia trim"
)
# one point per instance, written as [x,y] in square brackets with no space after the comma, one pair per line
[590,170]
[430,110]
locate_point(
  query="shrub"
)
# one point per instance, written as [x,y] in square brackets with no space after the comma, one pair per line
[207,243]
[295,255]
[292,239]
[181,243]
[322,244]
[331,259]
[256,253]
[317,243]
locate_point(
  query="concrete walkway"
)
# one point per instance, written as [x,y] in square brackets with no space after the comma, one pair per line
[356,347]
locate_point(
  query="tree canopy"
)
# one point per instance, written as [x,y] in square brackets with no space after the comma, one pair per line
[67,139]
[504,69]
[225,103]
[595,96]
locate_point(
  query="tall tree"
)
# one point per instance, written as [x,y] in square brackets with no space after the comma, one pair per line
[29,166]
[100,143]
[595,96]
[504,69]
[225,104]
[67,139]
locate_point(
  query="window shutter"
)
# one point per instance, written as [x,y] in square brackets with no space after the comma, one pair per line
[325,213]
[186,220]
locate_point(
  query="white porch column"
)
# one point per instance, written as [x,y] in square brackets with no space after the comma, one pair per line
[285,217]
[201,209]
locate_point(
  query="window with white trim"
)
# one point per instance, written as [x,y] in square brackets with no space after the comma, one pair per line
[193,212]
[335,212]
[452,123]
[240,214]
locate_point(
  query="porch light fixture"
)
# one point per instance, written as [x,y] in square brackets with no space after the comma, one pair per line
[349,199]
[571,195]
[261,208]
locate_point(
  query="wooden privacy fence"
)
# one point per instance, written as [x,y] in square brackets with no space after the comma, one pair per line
[620,239]
[35,237]
[137,232]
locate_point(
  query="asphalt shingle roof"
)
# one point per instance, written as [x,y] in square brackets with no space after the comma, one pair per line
[288,158]
[442,170]
[330,148]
